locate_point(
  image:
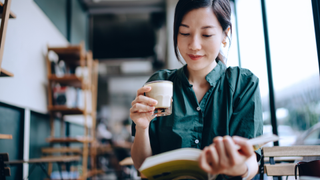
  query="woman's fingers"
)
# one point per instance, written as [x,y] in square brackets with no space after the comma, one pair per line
[213,157]
[203,160]
[144,100]
[142,90]
[209,160]
[231,151]
[221,151]
[224,157]
[245,147]
[141,108]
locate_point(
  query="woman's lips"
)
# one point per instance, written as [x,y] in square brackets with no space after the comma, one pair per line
[195,57]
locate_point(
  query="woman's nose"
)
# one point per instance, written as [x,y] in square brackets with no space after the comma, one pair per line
[195,43]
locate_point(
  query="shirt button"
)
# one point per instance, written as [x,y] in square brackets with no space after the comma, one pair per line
[196,141]
[198,108]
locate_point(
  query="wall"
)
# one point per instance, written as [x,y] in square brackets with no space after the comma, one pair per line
[58,18]
[40,130]
[11,122]
[173,63]
[79,24]
[79,18]
[24,56]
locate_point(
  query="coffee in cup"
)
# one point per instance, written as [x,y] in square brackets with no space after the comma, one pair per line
[161,91]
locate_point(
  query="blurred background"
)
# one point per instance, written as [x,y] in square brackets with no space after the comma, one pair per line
[131,39]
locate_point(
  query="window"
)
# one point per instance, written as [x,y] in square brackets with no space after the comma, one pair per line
[252,49]
[293,58]
[294,62]
[232,51]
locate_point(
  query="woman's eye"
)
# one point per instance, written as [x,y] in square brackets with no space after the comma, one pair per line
[207,35]
[184,34]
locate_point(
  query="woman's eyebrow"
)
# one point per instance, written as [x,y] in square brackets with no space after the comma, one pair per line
[184,25]
[206,27]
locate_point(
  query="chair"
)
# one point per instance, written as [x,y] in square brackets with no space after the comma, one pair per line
[41,162]
[280,161]
[4,171]
[74,154]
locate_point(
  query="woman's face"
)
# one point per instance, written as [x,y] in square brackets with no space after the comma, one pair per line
[199,39]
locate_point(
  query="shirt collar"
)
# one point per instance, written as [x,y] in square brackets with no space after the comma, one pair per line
[212,77]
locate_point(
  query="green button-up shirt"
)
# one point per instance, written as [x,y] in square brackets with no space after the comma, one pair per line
[232,106]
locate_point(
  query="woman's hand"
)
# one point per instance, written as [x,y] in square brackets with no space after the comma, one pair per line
[225,157]
[142,108]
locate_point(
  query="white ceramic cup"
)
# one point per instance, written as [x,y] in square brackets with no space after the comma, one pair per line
[161,91]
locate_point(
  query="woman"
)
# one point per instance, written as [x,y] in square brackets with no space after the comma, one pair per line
[214,108]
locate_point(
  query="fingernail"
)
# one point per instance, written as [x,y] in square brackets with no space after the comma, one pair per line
[235,138]
[227,137]
[217,139]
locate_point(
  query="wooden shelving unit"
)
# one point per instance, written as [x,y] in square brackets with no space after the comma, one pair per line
[76,57]
[65,110]
[5,136]
[69,140]
[5,73]
[11,14]
[72,80]
[5,14]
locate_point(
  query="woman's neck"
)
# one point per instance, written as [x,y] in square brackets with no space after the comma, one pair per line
[199,77]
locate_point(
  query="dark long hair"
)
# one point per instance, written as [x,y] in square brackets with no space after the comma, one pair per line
[220,8]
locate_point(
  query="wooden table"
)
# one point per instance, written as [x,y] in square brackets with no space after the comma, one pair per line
[41,161]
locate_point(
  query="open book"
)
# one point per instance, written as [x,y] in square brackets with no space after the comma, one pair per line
[183,163]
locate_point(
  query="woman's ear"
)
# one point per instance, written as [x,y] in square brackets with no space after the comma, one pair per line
[227,30]
[226,33]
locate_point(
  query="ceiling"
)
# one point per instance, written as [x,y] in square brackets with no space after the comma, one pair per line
[123,26]
[123,6]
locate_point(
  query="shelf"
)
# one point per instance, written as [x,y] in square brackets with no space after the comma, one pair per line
[70,53]
[11,15]
[65,110]
[69,140]
[61,150]
[5,136]
[126,162]
[94,173]
[101,149]
[5,73]
[47,160]
[71,79]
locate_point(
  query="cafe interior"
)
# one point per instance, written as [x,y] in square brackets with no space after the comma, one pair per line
[71,68]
